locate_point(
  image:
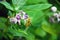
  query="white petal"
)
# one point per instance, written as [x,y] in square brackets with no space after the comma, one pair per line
[19,22]
[13,20]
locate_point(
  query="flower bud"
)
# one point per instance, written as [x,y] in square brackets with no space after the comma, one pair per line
[55,14]
[54,9]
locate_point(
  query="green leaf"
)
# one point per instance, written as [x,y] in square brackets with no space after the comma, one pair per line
[2,26]
[30,36]
[10,13]
[20,32]
[40,32]
[36,1]
[53,37]
[18,3]
[35,17]
[37,7]
[48,28]
[2,22]
[16,32]
[7,5]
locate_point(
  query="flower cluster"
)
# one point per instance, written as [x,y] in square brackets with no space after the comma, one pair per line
[55,15]
[18,17]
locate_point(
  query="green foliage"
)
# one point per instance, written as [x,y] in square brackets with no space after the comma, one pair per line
[53,37]
[2,20]
[7,5]
[2,23]
[37,7]
[18,4]
[40,32]
[36,1]
[38,11]
[47,27]
[15,6]
[35,12]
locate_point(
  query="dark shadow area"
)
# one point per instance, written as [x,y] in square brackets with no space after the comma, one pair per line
[52,2]
[3,11]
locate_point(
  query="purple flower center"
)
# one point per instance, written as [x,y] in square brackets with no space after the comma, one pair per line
[25,16]
[18,17]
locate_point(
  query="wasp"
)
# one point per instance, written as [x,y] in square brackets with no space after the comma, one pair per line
[28,22]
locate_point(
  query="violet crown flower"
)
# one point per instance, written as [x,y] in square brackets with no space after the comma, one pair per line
[18,17]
